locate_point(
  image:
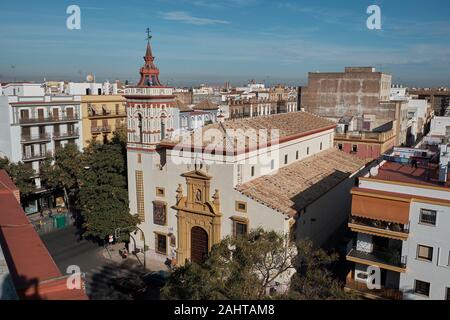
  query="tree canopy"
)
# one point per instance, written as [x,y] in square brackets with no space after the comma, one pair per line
[20,173]
[247,268]
[103,195]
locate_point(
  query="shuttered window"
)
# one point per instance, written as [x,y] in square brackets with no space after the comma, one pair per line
[425,253]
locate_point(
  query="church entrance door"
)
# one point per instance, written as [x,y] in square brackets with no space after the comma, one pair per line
[199,244]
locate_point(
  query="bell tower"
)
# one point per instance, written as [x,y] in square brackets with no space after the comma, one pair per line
[151,109]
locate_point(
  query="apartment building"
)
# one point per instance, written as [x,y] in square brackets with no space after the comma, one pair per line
[364,136]
[33,125]
[101,116]
[401,216]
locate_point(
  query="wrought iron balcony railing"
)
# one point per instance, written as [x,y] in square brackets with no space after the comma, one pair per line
[30,138]
[73,134]
[55,119]
[102,129]
[384,225]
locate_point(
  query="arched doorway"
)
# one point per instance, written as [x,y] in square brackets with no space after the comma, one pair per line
[199,244]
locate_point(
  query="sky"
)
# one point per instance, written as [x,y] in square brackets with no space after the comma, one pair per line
[209,41]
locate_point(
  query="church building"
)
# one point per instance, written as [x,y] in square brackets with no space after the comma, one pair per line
[189,198]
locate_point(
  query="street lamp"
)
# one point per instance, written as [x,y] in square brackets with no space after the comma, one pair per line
[117,234]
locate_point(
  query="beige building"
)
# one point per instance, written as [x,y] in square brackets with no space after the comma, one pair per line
[101,115]
[356,91]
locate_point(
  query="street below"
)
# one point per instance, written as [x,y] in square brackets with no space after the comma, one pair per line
[101,274]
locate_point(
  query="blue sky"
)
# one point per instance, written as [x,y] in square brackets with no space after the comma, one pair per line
[208,41]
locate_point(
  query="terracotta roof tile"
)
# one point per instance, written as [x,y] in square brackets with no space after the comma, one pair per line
[28,259]
[183,107]
[301,183]
[286,125]
[206,105]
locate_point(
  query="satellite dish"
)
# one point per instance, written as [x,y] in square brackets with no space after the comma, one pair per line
[90,78]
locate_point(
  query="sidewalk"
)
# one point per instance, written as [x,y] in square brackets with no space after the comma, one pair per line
[112,254]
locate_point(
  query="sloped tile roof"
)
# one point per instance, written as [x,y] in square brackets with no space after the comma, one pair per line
[286,125]
[183,107]
[206,105]
[301,183]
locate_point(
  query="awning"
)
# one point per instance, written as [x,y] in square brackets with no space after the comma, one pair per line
[377,208]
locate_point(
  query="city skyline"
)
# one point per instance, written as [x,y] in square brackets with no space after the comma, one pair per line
[198,41]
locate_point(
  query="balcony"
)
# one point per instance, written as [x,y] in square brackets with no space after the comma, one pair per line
[379,228]
[29,138]
[377,294]
[35,156]
[66,135]
[47,120]
[103,129]
[388,259]
[107,114]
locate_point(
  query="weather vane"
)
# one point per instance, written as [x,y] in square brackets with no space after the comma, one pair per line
[149,35]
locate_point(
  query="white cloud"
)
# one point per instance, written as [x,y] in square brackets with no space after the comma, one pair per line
[185,17]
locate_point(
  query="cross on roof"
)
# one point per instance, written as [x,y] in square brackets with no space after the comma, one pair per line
[149,34]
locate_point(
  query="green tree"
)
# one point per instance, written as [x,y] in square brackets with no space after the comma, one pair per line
[243,268]
[63,170]
[21,174]
[246,269]
[120,138]
[313,280]
[103,196]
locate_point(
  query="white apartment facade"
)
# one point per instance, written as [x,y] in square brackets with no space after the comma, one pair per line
[401,216]
[33,125]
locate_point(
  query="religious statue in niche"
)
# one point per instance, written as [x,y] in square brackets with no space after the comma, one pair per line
[198,196]
[159,213]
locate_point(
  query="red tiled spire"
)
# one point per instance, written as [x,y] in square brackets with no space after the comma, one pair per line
[149,72]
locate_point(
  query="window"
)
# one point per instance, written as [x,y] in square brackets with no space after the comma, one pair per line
[296,155]
[240,226]
[424,253]
[241,206]
[321,146]
[422,288]
[428,217]
[161,243]
[340,146]
[159,213]
[139,158]
[253,171]
[240,229]
[307,151]
[285,159]
[354,148]
[272,164]
[160,192]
